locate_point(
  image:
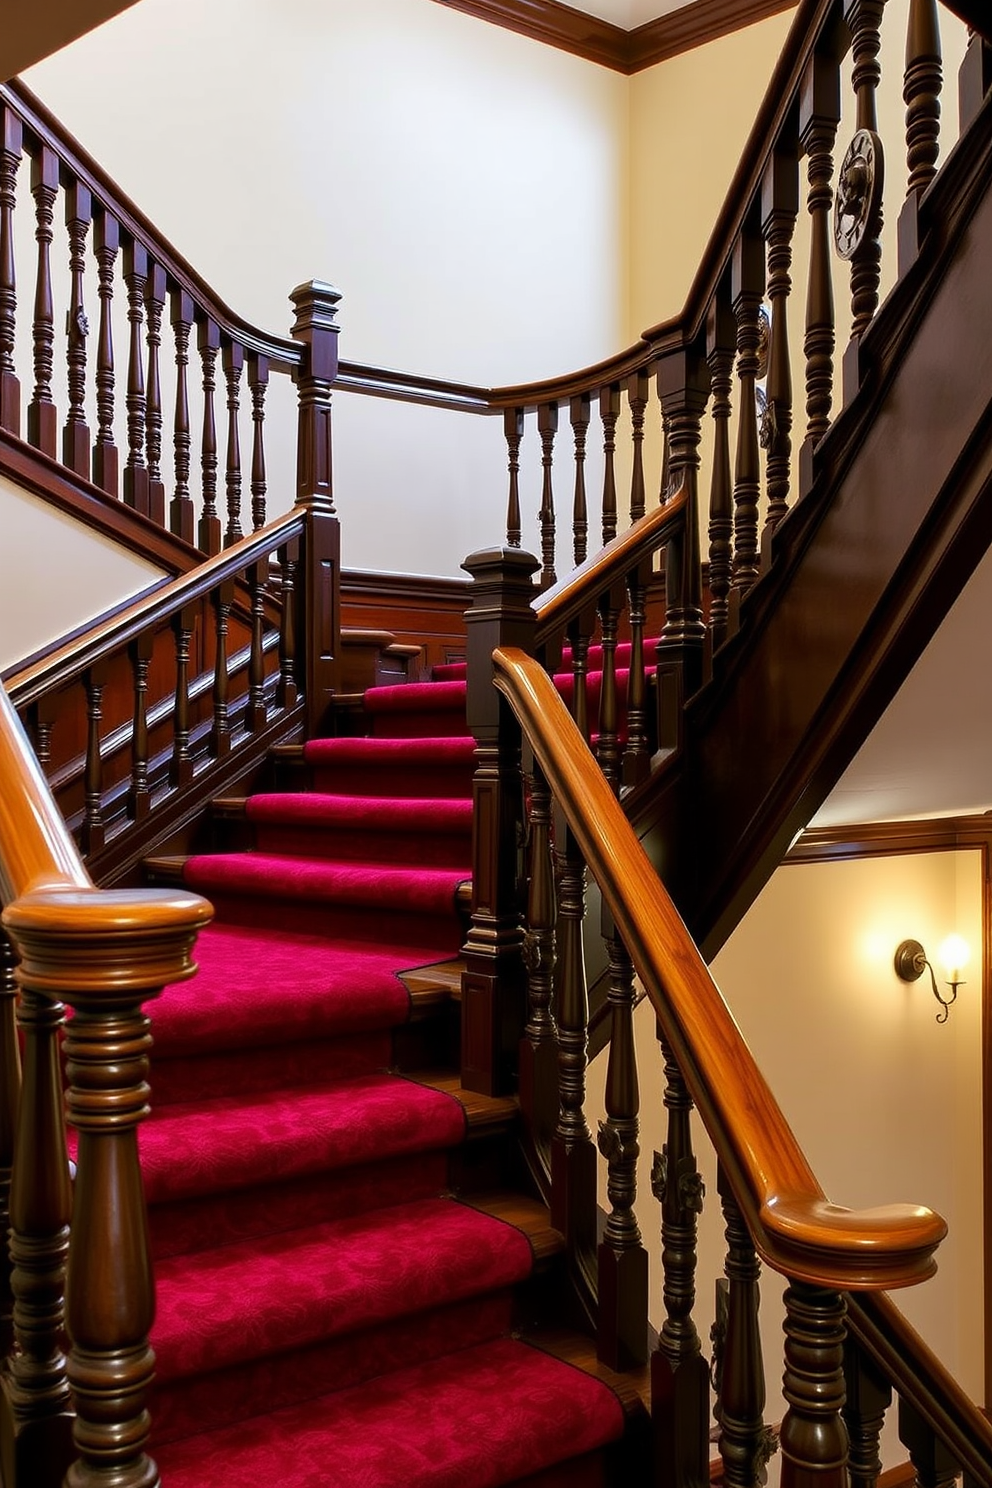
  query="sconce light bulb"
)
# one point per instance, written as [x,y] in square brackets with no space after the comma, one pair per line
[953,955]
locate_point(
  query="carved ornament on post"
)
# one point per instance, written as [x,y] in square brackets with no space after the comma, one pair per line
[857,210]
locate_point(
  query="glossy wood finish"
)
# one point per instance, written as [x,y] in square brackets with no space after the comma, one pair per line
[813,1440]
[106,242]
[42,416]
[135,467]
[745,1442]
[538,1058]
[10,159]
[867,1397]
[921,93]
[76,434]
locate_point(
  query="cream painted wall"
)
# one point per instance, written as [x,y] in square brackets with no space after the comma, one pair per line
[57,575]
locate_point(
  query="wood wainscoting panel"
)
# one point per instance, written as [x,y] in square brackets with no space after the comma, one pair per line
[416,610]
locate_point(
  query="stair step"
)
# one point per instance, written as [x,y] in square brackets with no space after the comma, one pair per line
[392,830]
[430,986]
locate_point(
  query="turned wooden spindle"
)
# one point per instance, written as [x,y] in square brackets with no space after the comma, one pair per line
[621,1337]
[257,715]
[721,335]
[538,1069]
[76,434]
[154,306]
[233,362]
[867,1396]
[921,93]
[36,1433]
[208,529]
[220,737]
[258,382]
[813,1438]
[10,1096]
[579,415]
[864,19]
[819,118]
[779,210]
[95,679]
[140,796]
[637,754]
[547,427]
[106,459]
[287,691]
[41,719]
[608,742]
[679,1375]
[683,385]
[748,284]
[579,634]
[933,1462]
[638,393]
[135,467]
[11,142]
[745,1442]
[513,430]
[181,771]
[42,414]
[182,520]
[609,412]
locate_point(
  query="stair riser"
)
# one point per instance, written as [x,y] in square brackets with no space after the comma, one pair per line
[251,1071]
[426,938]
[416,849]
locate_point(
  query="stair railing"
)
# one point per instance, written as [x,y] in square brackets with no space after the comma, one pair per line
[836,1261]
[104,954]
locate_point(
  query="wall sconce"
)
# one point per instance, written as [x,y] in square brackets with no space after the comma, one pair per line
[953,954]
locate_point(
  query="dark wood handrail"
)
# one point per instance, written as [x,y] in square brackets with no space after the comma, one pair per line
[559,604]
[794,1227]
[919,1377]
[152,609]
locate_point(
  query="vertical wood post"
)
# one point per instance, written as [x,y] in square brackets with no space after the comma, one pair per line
[154,306]
[721,340]
[11,140]
[745,1442]
[42,414]
[974,80]
[181,514]
[814,1437]
[747,288]
[135,469]
[493,985]
[868,1396]
[106,458]
[819,116]
[320,589]
[779,209]
[76,434]
[538,1057]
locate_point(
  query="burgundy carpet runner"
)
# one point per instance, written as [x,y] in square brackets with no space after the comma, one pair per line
[327,1313]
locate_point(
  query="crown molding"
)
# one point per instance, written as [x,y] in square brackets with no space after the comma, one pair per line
[882,839]
[599,41]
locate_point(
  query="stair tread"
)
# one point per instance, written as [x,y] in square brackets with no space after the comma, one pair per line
[548,1412]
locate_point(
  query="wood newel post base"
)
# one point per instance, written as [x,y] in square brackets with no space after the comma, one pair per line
[105,954]
[494,983]
[814,1438]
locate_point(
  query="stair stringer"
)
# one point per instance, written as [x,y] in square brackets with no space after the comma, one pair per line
[866,567]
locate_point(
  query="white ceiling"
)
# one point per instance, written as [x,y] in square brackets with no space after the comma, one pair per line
[628,13]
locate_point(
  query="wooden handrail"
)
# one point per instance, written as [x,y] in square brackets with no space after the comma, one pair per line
[793,1225]
[557,605]
[30,684]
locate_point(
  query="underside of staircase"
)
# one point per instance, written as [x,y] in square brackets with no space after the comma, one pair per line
[354,1283]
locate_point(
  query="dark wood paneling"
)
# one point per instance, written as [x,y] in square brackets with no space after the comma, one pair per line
[426,612]
[611,46]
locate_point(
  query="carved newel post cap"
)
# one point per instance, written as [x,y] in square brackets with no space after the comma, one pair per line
[316,305]
[490,564]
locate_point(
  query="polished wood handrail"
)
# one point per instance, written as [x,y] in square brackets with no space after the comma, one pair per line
[919,1377]
[559,604]
[794,1227]
[103,640]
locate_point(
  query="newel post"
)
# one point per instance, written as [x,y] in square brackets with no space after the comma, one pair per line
[319,627]
[494,982]
[105,955]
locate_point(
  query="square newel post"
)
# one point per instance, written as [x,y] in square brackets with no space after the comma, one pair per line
[320,578]
[493,985]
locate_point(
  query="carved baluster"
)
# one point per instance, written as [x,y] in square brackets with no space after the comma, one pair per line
[513,429]
[867,1396]
[106,242]
[93,834]
[11,141]
[745,1442]
[10,1096]
[573,1154]
[609,412]
[135,468]
[638,393]
[921,94]
[181,514]
[538,1052]
[679,1376]
[181,772]
[636,756]
[720,347]
[579,632]
[974,78]
[140,799]
[154,305]
[935,1467]
[665,484]
[257,710]
[286,692]
[608,743]
[819,115]
[779,209]
[858,215]
[220,739]
[234,358]
[547,427]
[813,1439]
[37,1387]
[258,381]
[621,1340]
[41,716]
[579,413]
[748,283]
[42,415]
[208,531]
[76,434]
